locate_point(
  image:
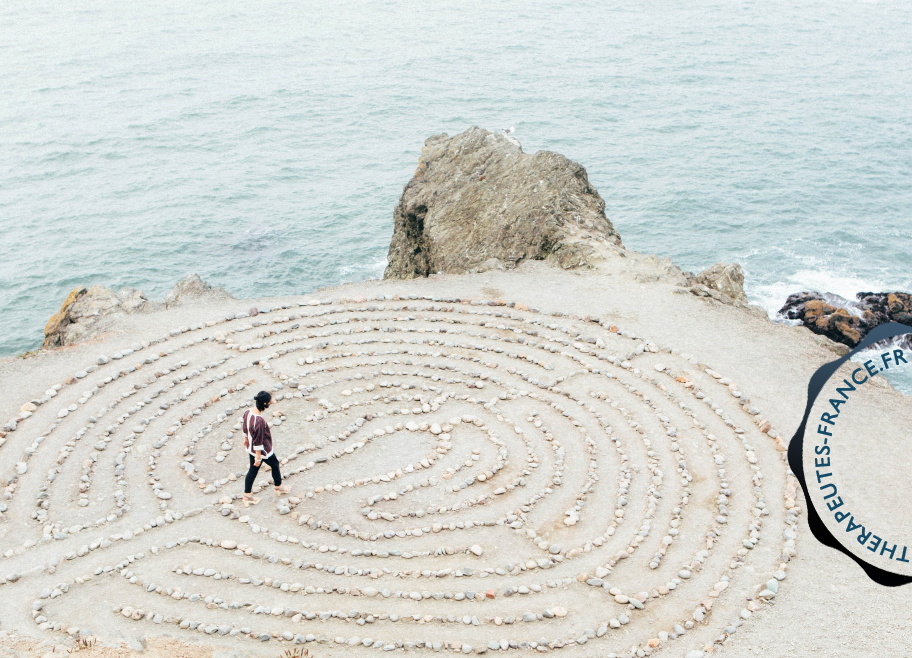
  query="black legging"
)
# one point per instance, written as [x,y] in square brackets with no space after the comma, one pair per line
[273,462]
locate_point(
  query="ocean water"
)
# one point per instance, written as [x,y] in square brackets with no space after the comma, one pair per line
[264,145]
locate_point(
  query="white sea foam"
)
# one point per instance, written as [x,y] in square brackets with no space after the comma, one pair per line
[372,269]
[773,295]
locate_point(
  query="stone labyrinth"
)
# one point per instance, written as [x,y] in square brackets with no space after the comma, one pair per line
[466,476]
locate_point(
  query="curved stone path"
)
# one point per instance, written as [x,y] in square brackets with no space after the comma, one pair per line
[466,476]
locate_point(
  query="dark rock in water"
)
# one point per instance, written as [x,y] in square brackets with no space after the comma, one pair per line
[888,306]
[846,321]
[828,317]
[478,201]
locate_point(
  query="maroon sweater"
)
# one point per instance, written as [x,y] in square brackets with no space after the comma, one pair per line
[257,434]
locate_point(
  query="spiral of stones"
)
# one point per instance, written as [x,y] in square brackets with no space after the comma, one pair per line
[548,480]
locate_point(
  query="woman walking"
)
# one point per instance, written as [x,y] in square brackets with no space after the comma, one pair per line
[258,444]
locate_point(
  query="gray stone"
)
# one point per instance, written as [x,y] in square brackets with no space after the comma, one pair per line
[192,287]
[724,278]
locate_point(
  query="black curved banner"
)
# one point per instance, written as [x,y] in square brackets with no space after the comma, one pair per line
[796,454]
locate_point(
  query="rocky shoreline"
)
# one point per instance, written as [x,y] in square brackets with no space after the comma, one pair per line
[90,313]
[478,203]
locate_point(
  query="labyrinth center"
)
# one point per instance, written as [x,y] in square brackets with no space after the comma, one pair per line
[466,476]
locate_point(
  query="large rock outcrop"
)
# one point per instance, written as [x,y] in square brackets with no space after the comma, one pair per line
[846,321]
[89,312]
[478,202]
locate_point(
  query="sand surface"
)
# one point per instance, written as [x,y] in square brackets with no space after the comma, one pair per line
[572,447]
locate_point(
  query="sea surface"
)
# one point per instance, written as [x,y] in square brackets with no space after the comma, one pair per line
[263,145]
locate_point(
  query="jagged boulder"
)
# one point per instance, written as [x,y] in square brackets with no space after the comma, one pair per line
[725,278]
[192,287]
[477,200]
[723,282]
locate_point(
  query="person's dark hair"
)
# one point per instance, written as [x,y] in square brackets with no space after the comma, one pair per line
[262,399]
